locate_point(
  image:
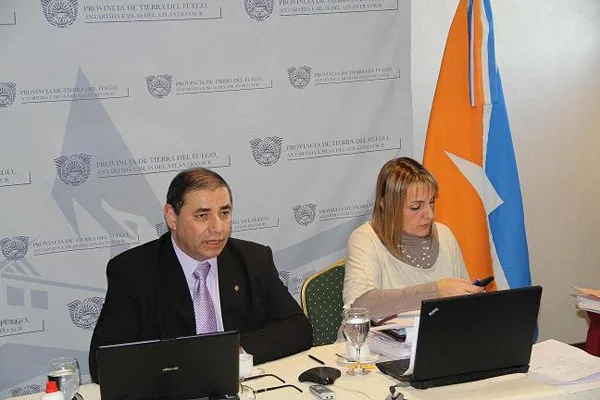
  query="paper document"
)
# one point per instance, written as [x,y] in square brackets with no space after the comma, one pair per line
[590,292]
[403,320]
[390,346]
[589,303]
[413,348]
[558,363]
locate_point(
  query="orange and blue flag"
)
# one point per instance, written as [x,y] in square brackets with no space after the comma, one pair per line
[469,149]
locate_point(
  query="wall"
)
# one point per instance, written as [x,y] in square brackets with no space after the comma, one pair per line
[548,52]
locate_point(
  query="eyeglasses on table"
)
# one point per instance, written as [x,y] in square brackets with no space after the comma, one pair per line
[248,392]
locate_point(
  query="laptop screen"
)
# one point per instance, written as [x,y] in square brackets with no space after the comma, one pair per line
[193,367]
[479,332]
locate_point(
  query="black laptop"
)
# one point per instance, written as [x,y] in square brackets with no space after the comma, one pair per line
[193,367]
[472,337]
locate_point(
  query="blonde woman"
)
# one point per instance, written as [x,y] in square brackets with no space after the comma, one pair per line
[402,256]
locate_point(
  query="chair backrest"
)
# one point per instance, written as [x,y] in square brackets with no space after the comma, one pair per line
[322,302]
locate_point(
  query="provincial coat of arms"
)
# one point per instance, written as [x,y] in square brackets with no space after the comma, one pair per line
[266,151]
[60,13]
[258,9]
[14,249]
[159,86]
[305,213]
[8,91]
[84,314]
[299,76]
[73,170]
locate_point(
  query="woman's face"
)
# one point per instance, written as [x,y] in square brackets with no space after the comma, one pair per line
[418,210]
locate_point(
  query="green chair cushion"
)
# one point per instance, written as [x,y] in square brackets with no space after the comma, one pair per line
[324,304]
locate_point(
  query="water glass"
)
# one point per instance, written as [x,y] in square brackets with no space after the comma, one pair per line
[65,372]
[356,330]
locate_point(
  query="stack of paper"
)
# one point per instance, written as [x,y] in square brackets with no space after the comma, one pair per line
[388,347]
[394,337]
[589,300]
[558,363]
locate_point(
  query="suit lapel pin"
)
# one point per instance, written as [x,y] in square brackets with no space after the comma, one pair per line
[236,288]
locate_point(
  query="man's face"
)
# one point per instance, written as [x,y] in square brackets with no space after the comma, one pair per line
[203,224]
[418,210]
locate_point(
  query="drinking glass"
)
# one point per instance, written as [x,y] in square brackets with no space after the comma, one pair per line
[356,329]
[65,372]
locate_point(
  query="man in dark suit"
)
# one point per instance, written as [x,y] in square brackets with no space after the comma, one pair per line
[153,288]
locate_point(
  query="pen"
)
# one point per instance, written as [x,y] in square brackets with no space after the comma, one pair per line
[483,282]
[316,359]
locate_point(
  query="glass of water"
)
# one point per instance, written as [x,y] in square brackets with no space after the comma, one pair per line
[356,329]
[65,372]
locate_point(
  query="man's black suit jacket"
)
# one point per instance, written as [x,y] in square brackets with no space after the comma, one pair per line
[148,298]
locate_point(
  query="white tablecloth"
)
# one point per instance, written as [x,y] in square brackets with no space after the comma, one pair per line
[375,386]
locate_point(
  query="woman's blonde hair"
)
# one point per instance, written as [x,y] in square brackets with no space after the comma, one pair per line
[392,183]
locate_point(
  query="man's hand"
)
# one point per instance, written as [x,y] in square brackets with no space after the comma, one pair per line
[455,287]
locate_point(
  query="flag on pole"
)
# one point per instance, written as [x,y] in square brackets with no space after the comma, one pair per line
[469,150]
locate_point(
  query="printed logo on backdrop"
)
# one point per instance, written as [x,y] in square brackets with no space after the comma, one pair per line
[8,92]
[124,11]
[161,228]
[83,242]
[253,223]
[295,284]
[344,146]
[73,170]
[60,13]
[19,325]
[110,168]
[24,390]
[14,251]
[16,248]
[159,86]
[299,76]
[305,213]
[13,177]
[58,94]
[258,9]
[267,151]
[284,277]
[291,8]
[84,313]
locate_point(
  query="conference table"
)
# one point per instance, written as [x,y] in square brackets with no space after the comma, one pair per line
[375,385]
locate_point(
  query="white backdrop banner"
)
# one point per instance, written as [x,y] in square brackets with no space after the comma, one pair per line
[297,103]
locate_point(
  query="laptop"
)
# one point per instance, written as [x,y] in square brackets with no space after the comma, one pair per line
[193,367]
[471,337]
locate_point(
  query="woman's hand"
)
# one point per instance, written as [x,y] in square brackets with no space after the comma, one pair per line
[455,287]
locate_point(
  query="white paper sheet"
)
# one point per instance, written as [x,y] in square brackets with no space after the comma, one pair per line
[413,348]
[558,363]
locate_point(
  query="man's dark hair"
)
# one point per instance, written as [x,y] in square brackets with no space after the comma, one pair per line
[190,180]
